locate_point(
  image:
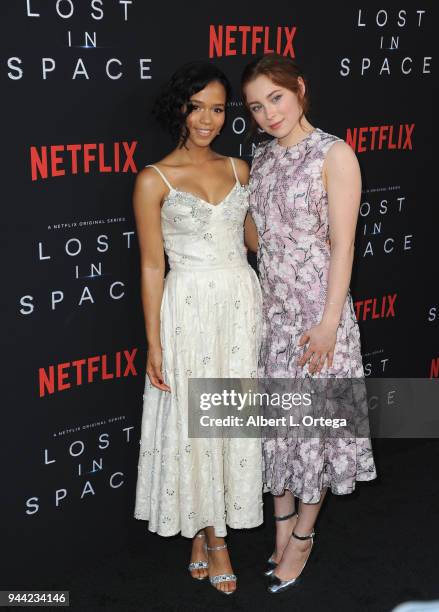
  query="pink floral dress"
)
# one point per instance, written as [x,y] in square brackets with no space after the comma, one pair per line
[289,205]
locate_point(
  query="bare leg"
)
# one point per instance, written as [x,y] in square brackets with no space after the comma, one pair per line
[297,551]
[199,554]
[283,505]
[219,560]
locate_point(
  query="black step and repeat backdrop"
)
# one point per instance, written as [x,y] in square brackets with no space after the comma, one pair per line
[77,79]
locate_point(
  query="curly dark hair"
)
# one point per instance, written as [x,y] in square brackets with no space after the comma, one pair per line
[176,93]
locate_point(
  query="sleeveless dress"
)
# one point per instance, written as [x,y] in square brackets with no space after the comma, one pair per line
[289,205]
[211,316]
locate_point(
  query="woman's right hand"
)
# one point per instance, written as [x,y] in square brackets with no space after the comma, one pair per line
[154,368]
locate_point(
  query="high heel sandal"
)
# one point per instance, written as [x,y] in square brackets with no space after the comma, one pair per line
[272,564]
[199,564]
[277,585]
[221,577]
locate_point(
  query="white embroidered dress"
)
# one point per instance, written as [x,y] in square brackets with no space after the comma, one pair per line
[210,328]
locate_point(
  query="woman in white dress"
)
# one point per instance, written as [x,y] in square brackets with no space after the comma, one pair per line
[202,321]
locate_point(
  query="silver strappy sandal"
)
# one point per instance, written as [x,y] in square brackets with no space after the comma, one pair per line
[199,564]
[221,577]
[279,586]
[272,564]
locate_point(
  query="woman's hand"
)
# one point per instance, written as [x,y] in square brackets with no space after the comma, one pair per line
[321,339]
[154,368]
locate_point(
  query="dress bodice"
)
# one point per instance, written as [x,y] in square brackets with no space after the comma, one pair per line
[288,201]
[289,205]
[198,234]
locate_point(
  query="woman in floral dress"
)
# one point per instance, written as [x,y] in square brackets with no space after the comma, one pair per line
[305,189]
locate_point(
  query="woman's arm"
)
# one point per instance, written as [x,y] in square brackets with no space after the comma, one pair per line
[147,197]
[250,234]
[341,173]
[343,179]
[250,231]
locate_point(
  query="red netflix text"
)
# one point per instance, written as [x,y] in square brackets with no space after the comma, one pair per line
[251,40]
[58,160]
[434,368]
[376,308]
[379,137]
[63,376]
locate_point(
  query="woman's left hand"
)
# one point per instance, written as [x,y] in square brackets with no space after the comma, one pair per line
[321,339]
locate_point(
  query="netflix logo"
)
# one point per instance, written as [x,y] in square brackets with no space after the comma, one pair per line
[63,376]
[380,137]
[59,160]
[434,368]
[375,308]
[225,40]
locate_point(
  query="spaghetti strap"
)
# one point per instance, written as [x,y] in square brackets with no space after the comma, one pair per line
[162,175]
[234,170]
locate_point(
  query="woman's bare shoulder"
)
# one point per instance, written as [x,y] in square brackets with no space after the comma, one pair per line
[150,184]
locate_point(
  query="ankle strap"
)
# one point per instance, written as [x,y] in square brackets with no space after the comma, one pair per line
[221,547]
[307,537]
[285,517]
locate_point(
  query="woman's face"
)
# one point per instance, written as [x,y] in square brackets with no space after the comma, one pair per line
[208,115]
[275,109]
